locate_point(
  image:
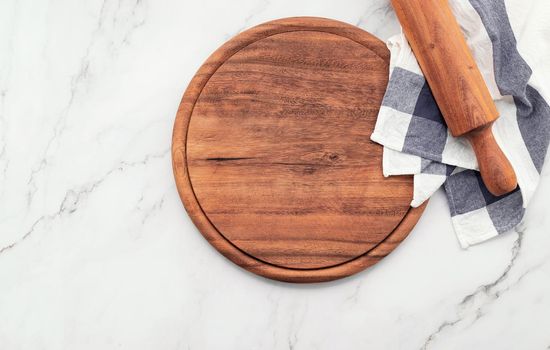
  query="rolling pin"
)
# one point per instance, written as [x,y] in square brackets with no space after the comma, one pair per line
[457,85]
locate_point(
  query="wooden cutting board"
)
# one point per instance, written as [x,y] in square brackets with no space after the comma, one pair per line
[272,156]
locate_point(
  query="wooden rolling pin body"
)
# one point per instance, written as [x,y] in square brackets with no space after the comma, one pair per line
[457,84]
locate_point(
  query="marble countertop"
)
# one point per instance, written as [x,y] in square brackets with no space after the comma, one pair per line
[97,252]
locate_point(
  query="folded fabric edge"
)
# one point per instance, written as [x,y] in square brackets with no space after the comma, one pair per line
[425,185]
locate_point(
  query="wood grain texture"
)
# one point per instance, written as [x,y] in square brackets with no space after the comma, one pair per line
[456,83]
[272,156]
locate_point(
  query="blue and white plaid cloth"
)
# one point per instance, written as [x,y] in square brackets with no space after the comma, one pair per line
[511,45]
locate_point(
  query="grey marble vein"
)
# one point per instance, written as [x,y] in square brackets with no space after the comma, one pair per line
[74,197]
[488,293]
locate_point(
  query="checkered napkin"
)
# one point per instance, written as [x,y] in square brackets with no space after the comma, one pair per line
[517,73]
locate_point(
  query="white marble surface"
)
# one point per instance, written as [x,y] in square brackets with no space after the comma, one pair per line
[96,251]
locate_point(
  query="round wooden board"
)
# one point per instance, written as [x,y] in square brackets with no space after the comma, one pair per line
[272,156]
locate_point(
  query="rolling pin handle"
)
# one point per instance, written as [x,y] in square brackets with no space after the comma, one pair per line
[496,171]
